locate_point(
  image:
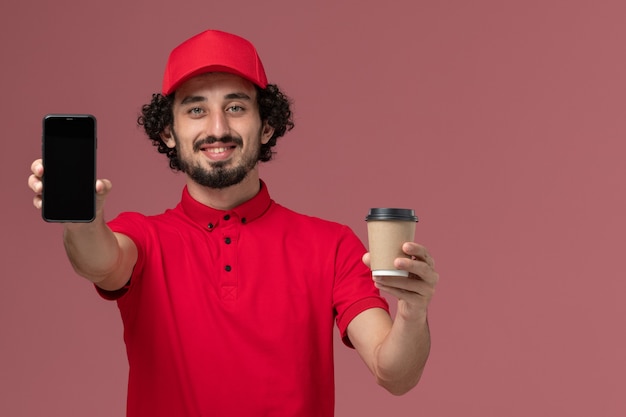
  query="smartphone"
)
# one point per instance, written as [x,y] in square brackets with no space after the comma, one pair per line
[69,147]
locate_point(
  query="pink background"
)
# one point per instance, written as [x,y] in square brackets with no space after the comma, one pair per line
[500,122]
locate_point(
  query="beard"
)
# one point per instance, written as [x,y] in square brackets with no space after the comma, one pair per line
[221,174]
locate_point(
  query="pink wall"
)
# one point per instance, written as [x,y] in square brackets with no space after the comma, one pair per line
[501,123]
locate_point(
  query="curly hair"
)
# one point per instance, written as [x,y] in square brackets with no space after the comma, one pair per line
[274,108]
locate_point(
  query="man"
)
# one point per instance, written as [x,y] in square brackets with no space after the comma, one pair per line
[229,300]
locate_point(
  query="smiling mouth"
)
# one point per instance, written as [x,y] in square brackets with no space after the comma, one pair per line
[217,150]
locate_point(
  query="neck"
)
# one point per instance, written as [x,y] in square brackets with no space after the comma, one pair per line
[226,198]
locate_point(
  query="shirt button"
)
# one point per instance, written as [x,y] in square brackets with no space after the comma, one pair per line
[243,220]
[227,268]
[210,226]
[227,240]
[227,217]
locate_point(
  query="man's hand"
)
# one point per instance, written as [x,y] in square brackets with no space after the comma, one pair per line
[103,187]
[415,291]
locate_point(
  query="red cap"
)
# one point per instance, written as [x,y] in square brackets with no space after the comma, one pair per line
[213,51]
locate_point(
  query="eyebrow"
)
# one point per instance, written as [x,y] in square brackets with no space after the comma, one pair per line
[240,96]
[230,96]
[192,99]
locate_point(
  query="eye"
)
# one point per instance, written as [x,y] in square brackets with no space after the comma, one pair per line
[235,108]
[195,112]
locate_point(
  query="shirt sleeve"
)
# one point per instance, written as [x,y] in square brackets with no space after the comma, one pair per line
[354,290]
[133,225]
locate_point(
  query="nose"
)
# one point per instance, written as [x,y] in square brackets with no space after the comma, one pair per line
[217,124]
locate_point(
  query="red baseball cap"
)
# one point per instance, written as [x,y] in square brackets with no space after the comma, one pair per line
[213,51]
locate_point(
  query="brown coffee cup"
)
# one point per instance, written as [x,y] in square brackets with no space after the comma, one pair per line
[387,230]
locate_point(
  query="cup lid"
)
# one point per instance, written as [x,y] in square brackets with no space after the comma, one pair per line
[391,214]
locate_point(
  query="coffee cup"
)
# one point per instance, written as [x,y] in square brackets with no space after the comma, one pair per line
[387,230]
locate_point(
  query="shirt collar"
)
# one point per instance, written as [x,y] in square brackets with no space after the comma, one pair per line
[209,217]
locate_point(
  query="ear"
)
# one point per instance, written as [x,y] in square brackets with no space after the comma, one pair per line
[168,138]
[266,133]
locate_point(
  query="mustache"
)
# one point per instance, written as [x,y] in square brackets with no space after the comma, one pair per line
[212,139]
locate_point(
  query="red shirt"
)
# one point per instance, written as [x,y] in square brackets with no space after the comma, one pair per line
[231,313]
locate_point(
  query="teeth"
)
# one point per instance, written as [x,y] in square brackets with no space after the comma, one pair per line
[217,150]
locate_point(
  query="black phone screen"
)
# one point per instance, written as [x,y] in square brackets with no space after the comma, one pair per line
[69,163]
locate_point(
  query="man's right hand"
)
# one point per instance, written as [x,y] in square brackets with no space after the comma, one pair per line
[94,250]
[103,187]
